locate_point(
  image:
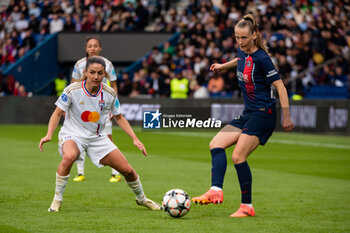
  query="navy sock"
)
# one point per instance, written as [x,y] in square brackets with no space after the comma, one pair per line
[219,164]
[245,181]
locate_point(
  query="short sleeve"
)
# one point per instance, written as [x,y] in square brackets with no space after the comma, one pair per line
[64,101]
[111,72]
[115,110]
[76,73]
[271,73]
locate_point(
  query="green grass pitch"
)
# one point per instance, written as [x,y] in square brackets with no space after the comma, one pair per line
[301,183]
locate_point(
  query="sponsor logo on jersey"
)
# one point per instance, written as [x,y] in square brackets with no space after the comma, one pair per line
[64,97]
[88,116]
[82,103]
[240,76]
[271,73]
[243,77]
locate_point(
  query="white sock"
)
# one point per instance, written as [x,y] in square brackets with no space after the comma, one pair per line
[136,187]
[115,172]
[250,205]
[61,182]
[215,188]
[80,163]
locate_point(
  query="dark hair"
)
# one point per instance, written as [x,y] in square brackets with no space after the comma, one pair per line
[90,38]
[249,21]
[93,60]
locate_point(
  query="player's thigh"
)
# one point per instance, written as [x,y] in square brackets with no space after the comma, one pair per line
[246,144]
[226,137]
[117,160]
[70,150]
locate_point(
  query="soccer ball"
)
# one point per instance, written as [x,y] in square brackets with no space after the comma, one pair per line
[176,203]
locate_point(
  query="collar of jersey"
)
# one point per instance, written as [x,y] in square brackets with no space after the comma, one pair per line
[87,92]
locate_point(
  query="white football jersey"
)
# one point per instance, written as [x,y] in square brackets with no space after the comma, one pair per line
[86,114]
[79,67]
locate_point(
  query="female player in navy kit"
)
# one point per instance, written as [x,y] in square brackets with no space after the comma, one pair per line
[255,73]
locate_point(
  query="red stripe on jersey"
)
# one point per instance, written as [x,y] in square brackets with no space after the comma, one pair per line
[98,127]
[247,76]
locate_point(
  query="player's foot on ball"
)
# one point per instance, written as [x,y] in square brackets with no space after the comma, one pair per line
[211,196]
[115,178]
[152,205]
[244,211]
[55,206]
[79,178]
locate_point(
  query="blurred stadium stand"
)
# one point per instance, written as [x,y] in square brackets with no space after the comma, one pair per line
[309,42]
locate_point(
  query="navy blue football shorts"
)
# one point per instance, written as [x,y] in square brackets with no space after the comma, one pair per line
[258,123]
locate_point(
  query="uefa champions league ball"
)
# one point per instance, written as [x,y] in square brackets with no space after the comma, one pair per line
[176,203]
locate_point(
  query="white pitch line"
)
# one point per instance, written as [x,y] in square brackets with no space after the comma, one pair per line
[315,144]
[279,141]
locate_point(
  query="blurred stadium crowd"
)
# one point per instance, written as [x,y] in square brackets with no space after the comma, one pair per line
[304,35]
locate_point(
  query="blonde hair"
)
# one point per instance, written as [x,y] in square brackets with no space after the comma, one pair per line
[249,21]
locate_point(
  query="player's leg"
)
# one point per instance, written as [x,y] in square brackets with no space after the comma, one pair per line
[226,137]
[257,130]
[70,153]
[245,146]
[117,160]
[115,176]
[80,167]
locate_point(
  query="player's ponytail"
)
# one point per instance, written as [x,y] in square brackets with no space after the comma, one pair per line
[249,21]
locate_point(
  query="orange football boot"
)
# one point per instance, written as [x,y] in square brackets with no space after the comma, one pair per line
[244,211]
[211,196]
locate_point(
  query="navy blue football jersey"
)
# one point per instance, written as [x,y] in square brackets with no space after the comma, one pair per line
[255,73]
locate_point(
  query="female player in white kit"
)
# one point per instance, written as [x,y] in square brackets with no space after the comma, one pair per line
[93,48]
[87,104]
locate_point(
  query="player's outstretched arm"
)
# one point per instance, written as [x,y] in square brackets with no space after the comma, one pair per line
[54,120]
[216,67]
[283,96]
[124,124]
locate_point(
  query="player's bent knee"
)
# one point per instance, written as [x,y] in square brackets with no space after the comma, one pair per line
[214,144]
[128,173]
[237,158]
[69,159]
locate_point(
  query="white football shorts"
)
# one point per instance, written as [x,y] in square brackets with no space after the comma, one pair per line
[96,148]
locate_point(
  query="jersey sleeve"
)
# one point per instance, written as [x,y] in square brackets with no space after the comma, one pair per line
[115,109]
[76,74]
[64,101]
[271,73]
[111,72]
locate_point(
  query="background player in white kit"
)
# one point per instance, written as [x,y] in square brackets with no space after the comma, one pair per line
[93,47]
[87,104]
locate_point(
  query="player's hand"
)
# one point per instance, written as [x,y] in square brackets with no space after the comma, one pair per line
[287,124]
[140,146]
[42,141]
[216,67]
